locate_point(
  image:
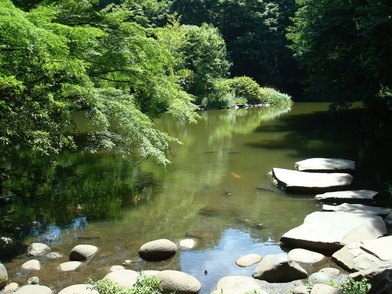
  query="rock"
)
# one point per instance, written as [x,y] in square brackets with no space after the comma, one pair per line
[303,182]
[301,290]
[79,289]
[33,281]
[381,248]
[34,289]
[83,252]
[277,268]
[38,249]
[248,260]
[324,289]
[382,283]
[330,271]
[370,273]
[158,250]
[187,243]
[7,246]
[363,196]
[238,284]
[53,255]
[123,278]
[388,223]
[3,276]
[304,256]
[178,282]
[116,268]
[330,231]
[319,278]
[357,208]
[10,288]
[31,265]
[325,165]
[70,266]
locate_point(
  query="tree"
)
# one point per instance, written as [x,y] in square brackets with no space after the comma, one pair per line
[345,48]
[60,58]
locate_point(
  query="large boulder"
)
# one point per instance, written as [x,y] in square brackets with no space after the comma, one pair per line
[238,284]
[38,249]
[125,279]
[293,181]
[3,276]
[358,196]
[178,282]
[325,165]
[83,252]
[357,208]
[276,268]
[330,231]
[158,250]
[33,289]
[79,289]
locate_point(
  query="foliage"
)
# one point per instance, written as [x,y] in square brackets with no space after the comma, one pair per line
[273,96]
[350,286]
[246,88]
[345,48]
[67,55]
[144,284]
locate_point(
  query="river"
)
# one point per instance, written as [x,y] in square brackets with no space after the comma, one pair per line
[216,190]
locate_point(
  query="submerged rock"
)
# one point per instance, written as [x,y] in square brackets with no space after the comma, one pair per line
[293,181]
[330,231]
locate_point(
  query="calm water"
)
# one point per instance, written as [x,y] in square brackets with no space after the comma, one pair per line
[216,190]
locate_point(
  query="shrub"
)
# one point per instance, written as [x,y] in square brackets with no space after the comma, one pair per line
[247,88]
[273,96]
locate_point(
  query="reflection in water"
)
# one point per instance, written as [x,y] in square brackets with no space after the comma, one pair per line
[216,190]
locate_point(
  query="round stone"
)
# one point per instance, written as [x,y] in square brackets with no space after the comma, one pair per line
[69,266]
[38,249]
[79,289]
[187,243]
[319,278]
[33,289]
[178,282]
[116,268]
[31,265]
[248,260]
[83,252]
[304,256]
[330,271]
[158,250]
[238,284]
[123,278]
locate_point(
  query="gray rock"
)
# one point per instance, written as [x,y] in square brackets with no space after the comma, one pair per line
[301,290]
[248,260]
[158,250]
[79,289]
[238,284]
[277,268]
[10,288]
[293,181]
[325,165]
[319,278]
[330,271]
[381,248]
[70,266]
[324,289]
[330,231]
[370,273]
[33,281]
[3,276]
[116,268]
[357,208]
[7,246]
[31,265]
[38,249]
[304,256]
[178,282]
[125,279]
[83,252]
[348,196]
[34,289]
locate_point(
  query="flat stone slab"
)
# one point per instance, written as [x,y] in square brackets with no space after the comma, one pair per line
[325,165]
[248,260]
[304,256]
[303,182]
[357,208]
[347,196]
[330,231]
[381,247]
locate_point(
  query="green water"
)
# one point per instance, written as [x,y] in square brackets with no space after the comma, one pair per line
[216,190]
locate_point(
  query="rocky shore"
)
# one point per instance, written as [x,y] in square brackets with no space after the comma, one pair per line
[352,230]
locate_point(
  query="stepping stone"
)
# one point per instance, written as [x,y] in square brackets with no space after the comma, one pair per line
[38,249]
[293,181]
[381,247]
[348,196]
[125,279]
[357,208]
[178,282]
[325,165]
[79,289]
[83,252]
[330,231]
[238,284]
[248,260]
[31,265]
[70,266]
[304,256]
